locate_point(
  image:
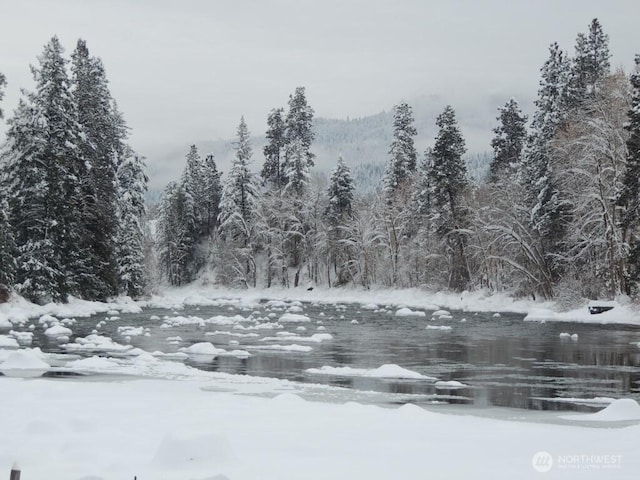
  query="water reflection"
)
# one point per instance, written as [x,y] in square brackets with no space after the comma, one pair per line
[504,361]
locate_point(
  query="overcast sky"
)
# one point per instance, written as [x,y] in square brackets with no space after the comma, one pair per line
[185,71]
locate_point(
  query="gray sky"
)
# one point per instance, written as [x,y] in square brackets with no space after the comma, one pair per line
[185,71]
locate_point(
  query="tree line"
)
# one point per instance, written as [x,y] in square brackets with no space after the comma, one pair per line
[556,217]
[71,188]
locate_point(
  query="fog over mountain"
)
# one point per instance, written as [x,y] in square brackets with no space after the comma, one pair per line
[363,142]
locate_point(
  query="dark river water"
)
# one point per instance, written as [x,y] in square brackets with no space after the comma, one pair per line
[503,361]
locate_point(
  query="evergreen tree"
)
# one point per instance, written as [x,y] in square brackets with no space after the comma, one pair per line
[176,230]
[238,211]
[590,64]
[629,197]
[298,137]
[272,170]
[3,83]
[132,186]
[7,247]
[448,184]
[403,153]
[239,197]
[44,165]
[193,180]
[511,135]
[340,191]
[99,197]
[542,197]
[212,193]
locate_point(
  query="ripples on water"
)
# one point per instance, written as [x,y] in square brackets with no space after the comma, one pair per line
[503,360]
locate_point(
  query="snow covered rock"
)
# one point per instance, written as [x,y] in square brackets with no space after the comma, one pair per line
[24,363]
[202,348]
[94,363]
[8,342]
[294,317]
[407,312]
[450,384]
[58,331]
[391,370]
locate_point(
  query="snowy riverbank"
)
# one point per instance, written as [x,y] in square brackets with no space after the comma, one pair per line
[18,310]
[154,429]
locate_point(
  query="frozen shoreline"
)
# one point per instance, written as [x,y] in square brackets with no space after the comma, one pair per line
[73,430]
[18,310]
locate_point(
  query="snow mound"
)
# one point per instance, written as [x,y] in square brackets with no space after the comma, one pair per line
[391,370]
[295,309]
[569,336]
[58,331]
[384,371]
[294,317]
[624,409]
[8,342]
[450,384]
[285,348]
[92,363]
[129,331]
[95,343]
[202,348]
[24,363]
[24,338]
[5,324]
[407,312]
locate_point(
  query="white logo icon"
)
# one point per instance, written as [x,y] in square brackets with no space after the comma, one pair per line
[542,462]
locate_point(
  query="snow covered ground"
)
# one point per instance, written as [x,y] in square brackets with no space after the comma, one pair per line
[204,425]
[147,416]
[402,301]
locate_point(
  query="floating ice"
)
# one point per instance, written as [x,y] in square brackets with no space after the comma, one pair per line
[384,371]
[202,348]
[450,384]
[407,312]
[444,328]
[294,317]
[95,343]
[285,348]
[369,306]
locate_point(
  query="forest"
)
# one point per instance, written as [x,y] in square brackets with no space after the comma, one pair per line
[556,218]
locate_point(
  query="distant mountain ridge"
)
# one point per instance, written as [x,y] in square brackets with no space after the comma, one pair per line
[363,142]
